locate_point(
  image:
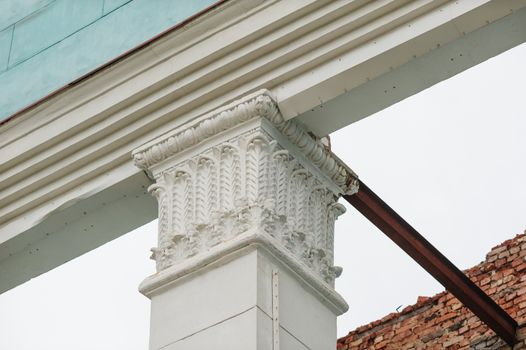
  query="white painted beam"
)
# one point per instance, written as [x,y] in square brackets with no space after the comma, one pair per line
[77,144]
[395,83]
[68,233]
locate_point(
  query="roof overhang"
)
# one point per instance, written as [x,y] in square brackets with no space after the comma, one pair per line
[329,63]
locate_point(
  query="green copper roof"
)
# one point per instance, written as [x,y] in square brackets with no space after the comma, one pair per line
[45,44]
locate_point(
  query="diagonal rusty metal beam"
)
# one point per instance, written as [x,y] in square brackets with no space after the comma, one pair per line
[434,262]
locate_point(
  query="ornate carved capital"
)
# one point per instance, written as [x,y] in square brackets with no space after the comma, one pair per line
[244,168]
[258,105]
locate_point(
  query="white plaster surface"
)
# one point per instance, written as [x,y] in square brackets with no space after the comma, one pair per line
[247,331]
[287,341]
[203,300]
[232,304]
[304,315]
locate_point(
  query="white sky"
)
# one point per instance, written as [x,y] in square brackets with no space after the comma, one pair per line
[451,160]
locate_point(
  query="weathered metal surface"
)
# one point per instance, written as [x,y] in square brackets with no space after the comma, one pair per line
[53,43]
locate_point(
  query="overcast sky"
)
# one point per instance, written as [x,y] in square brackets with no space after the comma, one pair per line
[451,160]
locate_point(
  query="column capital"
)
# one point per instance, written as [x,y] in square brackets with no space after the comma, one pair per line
[257,105]
[242,176]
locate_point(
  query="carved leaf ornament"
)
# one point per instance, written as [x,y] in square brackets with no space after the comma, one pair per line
[248,181]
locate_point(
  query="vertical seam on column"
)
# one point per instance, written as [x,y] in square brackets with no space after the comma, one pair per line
[275,309]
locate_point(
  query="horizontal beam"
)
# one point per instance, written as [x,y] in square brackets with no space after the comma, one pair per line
[433,261]
[77,143]
[76,229]
[405,70]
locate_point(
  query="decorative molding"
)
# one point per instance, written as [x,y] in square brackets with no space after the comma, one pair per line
[262,105]
[246,179]
[76,144]
[242,244]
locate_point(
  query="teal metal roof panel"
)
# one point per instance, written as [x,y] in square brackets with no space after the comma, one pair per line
[110,5]
[59,43]
[41,30]
[12,11]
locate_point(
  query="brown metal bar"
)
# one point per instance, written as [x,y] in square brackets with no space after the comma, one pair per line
[434,262]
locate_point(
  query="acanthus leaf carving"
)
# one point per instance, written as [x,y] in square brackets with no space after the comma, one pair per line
[229,180]
[244,182]
[260,105]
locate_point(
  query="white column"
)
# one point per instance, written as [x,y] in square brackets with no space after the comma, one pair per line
[247,204]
